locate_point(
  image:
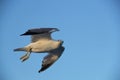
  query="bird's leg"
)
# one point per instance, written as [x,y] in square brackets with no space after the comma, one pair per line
[27,55]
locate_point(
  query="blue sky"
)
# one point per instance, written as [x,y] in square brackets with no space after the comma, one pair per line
[89,28]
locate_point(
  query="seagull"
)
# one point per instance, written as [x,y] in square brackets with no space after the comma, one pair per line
[42,42]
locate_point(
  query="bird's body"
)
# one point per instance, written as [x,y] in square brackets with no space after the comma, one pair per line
[43,46]
[42,42]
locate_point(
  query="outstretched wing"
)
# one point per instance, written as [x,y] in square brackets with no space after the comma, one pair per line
[51,58]
[40,33]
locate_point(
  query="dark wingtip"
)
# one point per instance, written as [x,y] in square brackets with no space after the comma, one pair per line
[28,33]
[21,34]
[54,30]
[24,34]
[40,71]
[57,29]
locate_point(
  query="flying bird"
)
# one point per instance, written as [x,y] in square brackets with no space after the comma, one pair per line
[42,42]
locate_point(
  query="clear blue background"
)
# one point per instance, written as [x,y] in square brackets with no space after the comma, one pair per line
[89,28]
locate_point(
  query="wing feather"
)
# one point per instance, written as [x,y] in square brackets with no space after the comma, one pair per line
[51,58]
[37,37]
[40,33]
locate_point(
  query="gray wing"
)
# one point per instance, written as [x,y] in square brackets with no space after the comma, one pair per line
[40,33]
[51,58]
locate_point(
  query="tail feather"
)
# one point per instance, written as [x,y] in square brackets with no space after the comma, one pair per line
[19,49]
